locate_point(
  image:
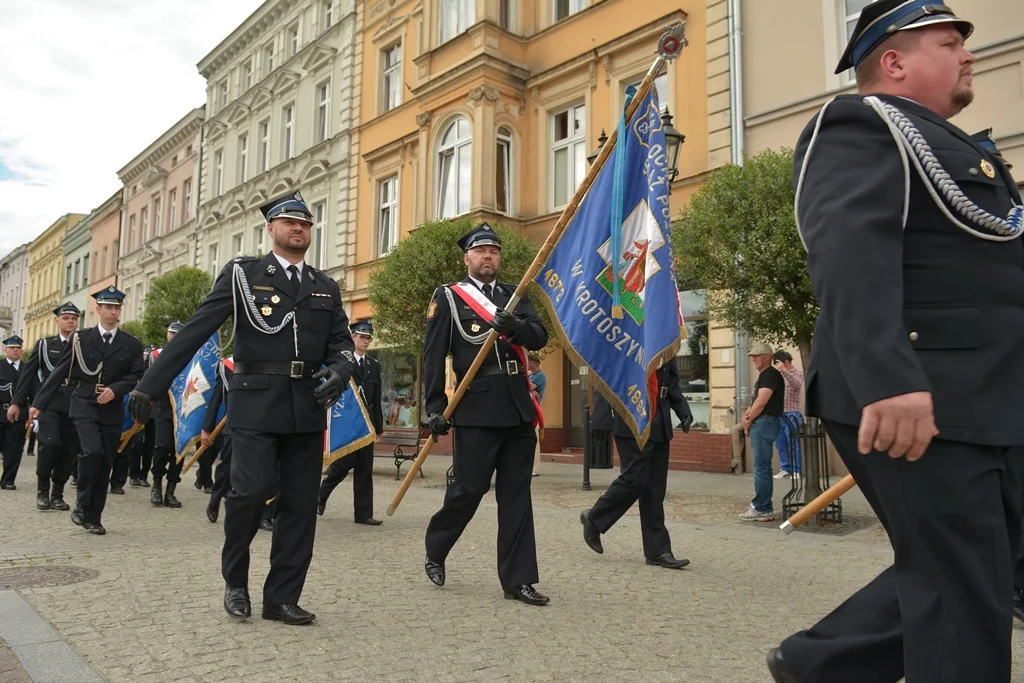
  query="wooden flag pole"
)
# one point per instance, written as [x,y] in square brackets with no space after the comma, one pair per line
[127,436]
[531,272]
[28,428]
[202,449]
[818,504]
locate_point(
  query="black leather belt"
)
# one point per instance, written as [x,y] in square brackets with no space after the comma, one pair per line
[295,369]
[91,386]
[663,392]
[511,367]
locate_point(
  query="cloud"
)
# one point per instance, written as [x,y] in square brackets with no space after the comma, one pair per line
[88,84]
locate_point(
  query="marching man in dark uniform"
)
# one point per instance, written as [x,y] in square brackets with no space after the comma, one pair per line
[12,431]
[164,460]
[493,422]
[913,237]
[100,365]
[288,323]
[221,445]
[58,439]
[367,379]
[643,472]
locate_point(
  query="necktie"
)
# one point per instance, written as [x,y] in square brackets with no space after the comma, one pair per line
[294,279]
[106,338]
[360,363]
[487,292]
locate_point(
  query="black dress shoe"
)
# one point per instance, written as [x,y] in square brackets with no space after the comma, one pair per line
[78,516]
[320,506]
[213,511]
[668,561]
[57,503]
[95,528]
[134,483]
[8,487]
[527,594]
[777,667]
[236,602]
[267,524]
[435,571]
[207,489]
[293,615]
[117,490]
[43,500]
[590,533]
[369,521]
[198,484]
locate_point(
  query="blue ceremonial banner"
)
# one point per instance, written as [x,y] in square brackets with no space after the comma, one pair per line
[128,422]
[190,394]
[609,283]
[349,427]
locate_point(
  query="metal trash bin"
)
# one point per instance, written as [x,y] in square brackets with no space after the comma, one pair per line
[601,451]
[809,441]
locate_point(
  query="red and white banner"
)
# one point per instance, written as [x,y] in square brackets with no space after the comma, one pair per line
[485,308]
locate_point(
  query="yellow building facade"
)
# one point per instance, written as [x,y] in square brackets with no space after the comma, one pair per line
[489,108]
[46,275]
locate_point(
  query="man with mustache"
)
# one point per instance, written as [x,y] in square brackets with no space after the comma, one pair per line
[913,237]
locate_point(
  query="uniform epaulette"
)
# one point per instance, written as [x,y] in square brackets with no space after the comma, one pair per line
[244,259]
[320,273]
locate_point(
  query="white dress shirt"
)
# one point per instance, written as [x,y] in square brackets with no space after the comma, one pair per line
[102,330]
[285,264]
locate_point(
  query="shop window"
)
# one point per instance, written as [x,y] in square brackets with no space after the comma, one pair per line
[693,359]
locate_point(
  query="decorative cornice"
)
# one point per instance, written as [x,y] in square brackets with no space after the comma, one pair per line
[250,31]
[488,92]
[175,136]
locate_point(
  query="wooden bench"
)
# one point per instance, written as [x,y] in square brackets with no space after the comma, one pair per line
[411,439]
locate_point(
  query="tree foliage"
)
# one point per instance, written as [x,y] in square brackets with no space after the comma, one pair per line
[136,328]
[401,286]
[174,296]
[738,238]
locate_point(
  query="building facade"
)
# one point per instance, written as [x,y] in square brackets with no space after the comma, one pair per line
[13,291]
[280,96]
[46,278]
[77,248]
[490,109]
[104,224]
[158,211]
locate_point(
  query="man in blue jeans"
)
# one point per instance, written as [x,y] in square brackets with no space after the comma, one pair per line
[792,418]
[761,423]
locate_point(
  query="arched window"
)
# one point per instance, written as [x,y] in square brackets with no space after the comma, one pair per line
[503,171]
[454,169]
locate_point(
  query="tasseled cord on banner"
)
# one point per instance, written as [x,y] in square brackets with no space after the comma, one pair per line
[617,185]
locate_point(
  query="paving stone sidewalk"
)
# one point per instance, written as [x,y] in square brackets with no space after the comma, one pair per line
[149,608]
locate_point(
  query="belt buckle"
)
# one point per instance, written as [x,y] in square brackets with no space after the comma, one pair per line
[663,392]
[99,388]
[296,369]
[512,367]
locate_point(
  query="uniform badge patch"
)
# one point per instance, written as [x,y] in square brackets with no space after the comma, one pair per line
[475,327]
[271,269]
[988,169]
[275,299]
[266,310]
[432,310]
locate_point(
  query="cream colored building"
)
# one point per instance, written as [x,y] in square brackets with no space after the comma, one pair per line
[77,248]
[280,92]
[158,211]
[46,278]
[13,291]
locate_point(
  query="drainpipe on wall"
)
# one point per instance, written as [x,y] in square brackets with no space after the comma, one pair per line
[737,139]
[197,183]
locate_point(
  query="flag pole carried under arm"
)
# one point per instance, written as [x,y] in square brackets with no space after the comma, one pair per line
[202,449]
[669,47]
[127,436]
[818,504]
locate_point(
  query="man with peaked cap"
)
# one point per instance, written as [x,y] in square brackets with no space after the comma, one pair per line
[99,365]
[367,379]
[165,462]
[12,429]
[288,324]
[913,237]
[494,421]
[58,439]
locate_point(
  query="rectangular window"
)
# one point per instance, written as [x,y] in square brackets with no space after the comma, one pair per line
[568,153]
[503,171]
[323,111]
[660,87]
[259,233]
[319,233]
[264,153]
[455,17]
[287,130]
[85,270]
[293,40]
[245,77]
[387,216]
[243,157]
[506,16]
[186,206]
[158,207]
[172,209]
[326,14]
[849,11]
[77,274]
[222,94]
[392,78]
[218,172]
[236,244]
[67,280]
[213,261]
[268,58]
[103,263]
[566,8]
[144,224]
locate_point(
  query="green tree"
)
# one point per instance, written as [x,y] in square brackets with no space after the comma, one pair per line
[401,286]
[174,296]
[136,328]
[738,238]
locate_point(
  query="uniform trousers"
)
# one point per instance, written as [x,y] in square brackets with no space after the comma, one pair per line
[99,444]
[480,452]
[643,475]
[204,468]
[294,462]
[361,464]
[222,475]
[942,613]
[121,465]
[12,443]
[140,457]
[31,443]
[58,448]
[164,461]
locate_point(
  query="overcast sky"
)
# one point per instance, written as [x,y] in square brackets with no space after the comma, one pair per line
[87,85]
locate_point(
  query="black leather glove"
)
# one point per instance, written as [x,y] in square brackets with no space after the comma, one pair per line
[685,422]
[140,405]
[331,389]
[505,323]
[438,425]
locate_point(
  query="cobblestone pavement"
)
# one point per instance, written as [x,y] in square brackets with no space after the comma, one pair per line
[152,611]
[10,668]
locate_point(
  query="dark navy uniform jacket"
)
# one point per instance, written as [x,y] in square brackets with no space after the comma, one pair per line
[34,372]
[670,397]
